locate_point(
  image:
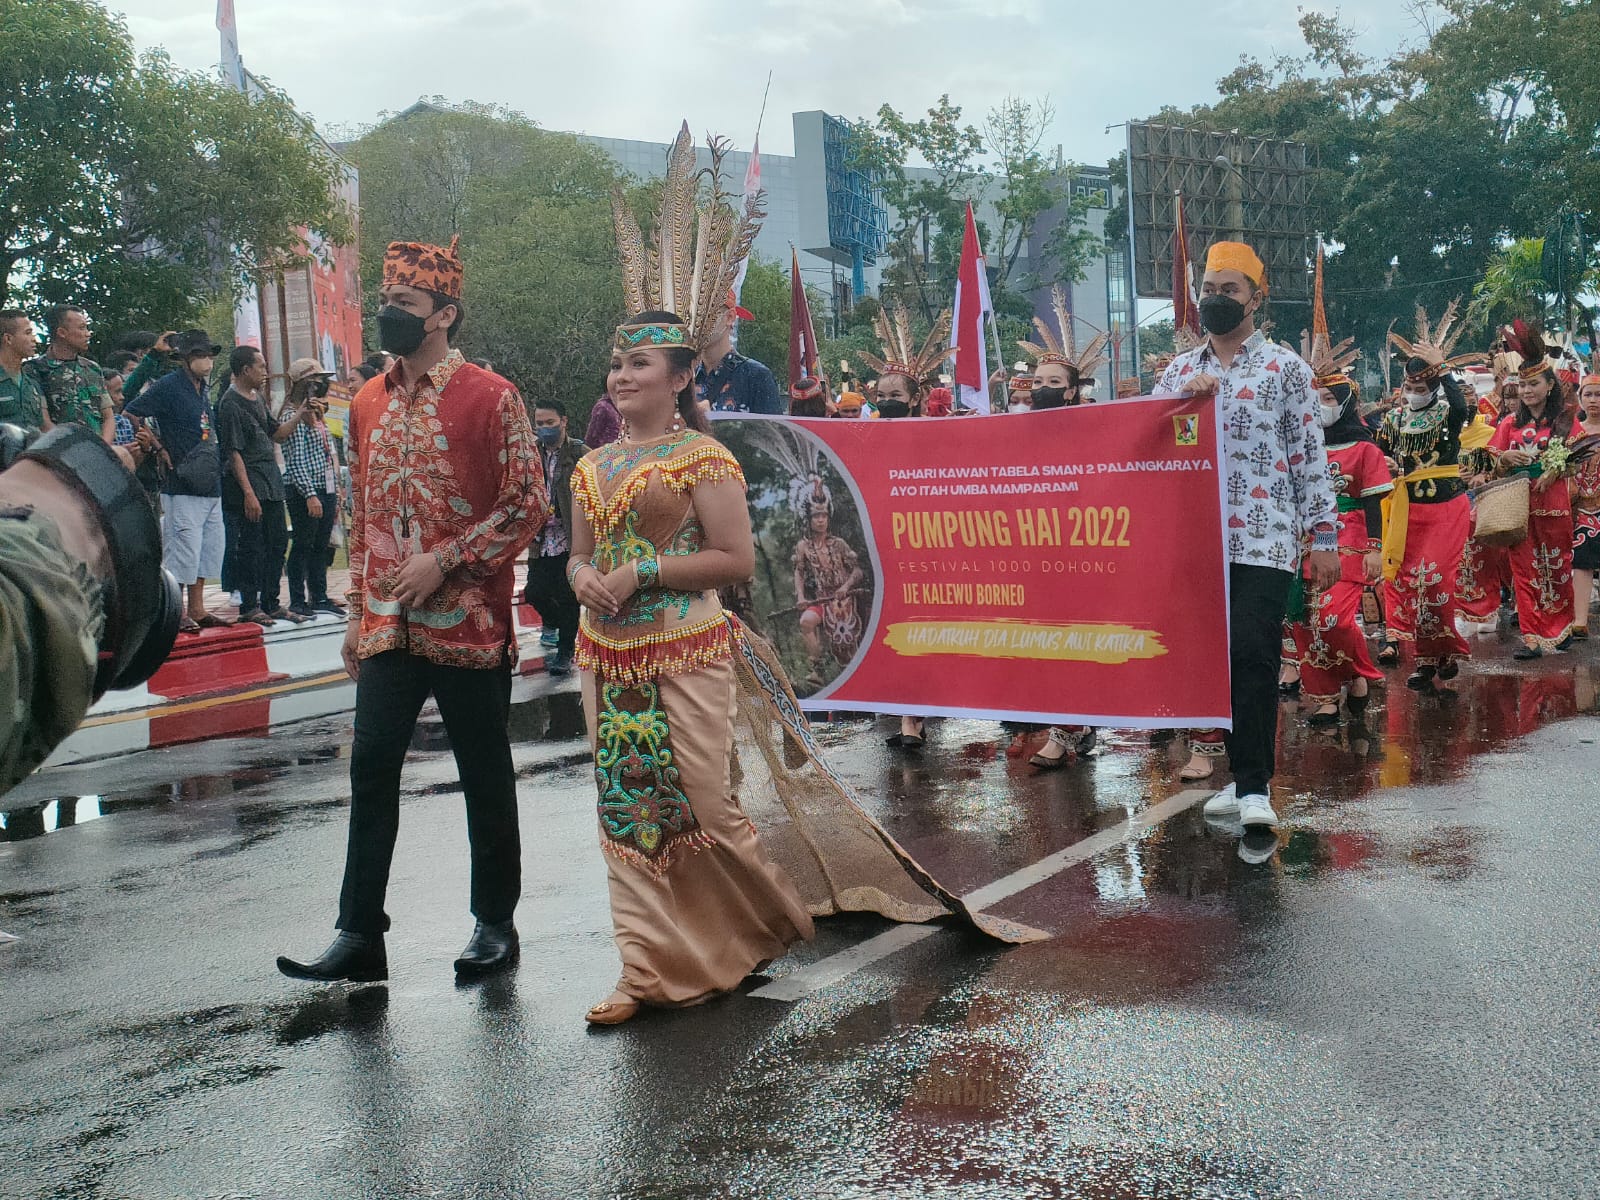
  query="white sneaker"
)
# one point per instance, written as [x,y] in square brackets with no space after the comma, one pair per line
[1256,811]
[1224,804]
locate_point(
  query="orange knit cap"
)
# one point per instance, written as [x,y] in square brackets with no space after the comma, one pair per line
[427,268]
[1236,256]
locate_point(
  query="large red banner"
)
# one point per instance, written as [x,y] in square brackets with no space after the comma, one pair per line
[1063,566]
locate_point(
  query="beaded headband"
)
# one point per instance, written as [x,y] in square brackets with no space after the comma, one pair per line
[642,337]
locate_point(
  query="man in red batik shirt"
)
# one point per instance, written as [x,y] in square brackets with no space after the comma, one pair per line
[447,490]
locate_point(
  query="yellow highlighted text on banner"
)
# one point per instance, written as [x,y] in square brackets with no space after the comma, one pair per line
[1087,642]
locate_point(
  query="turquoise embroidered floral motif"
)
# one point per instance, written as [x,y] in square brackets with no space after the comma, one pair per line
[623,547]
[656,335]
[616,458]
[643,810]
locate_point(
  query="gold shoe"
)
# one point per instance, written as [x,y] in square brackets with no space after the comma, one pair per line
[613,1011]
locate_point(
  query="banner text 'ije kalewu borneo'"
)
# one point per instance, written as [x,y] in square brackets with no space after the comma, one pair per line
[1060,566]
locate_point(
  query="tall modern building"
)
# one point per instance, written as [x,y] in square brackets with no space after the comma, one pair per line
[834,216]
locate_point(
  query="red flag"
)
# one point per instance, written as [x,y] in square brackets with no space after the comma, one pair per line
[802,335]
[973,309]
[1185,313]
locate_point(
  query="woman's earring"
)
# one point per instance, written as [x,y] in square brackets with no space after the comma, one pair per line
[627,434]
[677,422]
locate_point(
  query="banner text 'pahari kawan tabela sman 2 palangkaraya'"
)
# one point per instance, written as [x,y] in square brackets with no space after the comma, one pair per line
[1061,566]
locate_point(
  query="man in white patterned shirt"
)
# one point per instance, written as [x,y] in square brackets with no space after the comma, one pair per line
[1279,501]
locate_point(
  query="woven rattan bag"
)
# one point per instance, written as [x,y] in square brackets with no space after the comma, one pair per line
[1501,512]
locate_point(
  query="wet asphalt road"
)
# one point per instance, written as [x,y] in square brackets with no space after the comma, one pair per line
[1400,1003]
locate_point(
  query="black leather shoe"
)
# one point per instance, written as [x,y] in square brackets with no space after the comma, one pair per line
[358,957]
[493,948]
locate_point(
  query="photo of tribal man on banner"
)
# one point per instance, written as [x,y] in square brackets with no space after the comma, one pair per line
[814,586]
[1064,566]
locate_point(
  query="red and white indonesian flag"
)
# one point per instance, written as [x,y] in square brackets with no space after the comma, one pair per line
[974,312]
[232,65]
[752,185]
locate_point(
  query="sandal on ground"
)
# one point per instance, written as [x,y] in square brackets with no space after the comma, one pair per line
[258,617]
[1524,653]
[1449,669]
[212,621]
[1191,773]
[907,741]
[1390,654]
[614,1010]
[1323,720]
[188,625]
[1580,633]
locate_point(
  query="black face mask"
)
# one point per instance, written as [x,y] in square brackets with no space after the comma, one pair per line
[319,388]
[1221,314]
[894,408]
[1049,397]
[400,332]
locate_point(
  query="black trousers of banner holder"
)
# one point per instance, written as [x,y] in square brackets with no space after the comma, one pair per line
[1258,597]
[475,705]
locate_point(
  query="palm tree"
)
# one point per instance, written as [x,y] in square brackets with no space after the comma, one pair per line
[1513,286]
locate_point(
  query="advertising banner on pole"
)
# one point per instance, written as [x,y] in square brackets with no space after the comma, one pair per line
[1063,566]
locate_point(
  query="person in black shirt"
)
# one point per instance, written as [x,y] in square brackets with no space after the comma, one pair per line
[252,488]
[732,382]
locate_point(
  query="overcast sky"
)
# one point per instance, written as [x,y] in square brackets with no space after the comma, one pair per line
[631,69]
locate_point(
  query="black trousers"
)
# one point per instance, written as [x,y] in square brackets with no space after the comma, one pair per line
[257,548]
[550,593]
[475,705]
[1255,626]
[308,553]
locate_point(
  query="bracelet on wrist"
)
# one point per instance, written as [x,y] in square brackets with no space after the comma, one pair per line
[574,567]
[649,570]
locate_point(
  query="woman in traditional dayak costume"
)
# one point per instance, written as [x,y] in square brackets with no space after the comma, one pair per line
[724,834]
[1586,504]
[1533,440]
[901,374]
[1485,569]
[1331,648]
[1058,375]
[1430,517]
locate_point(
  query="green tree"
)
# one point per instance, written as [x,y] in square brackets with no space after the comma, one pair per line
[1512,287]
[137,189]
[926,206]
[543,292]
[766,297]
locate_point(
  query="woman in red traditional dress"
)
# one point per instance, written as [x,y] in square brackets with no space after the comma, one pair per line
[1586,506]
[1430,517]
[1530,441]
[1330,646]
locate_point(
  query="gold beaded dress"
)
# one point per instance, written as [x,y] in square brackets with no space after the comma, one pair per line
[724,832]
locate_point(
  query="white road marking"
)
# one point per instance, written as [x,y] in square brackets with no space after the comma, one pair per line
[828,971]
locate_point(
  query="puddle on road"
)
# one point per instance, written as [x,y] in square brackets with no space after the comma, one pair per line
[557,717]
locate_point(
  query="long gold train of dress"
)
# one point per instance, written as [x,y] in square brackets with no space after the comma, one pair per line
[725,831]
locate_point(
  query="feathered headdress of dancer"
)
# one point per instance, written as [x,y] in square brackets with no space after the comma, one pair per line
[1434,342]
[1057,345]
[1183,341]
[899,355]
[689,266]
[1527,341]
[1329,363]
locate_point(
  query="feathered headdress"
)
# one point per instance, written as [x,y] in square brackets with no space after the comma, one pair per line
[700,240]
[1058,345]
[1435,341]
[1592,374]
[1183,341]
[1527,341]
[899,358]
[1329,363]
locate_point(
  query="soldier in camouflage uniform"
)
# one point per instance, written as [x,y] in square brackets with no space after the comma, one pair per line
[74,387]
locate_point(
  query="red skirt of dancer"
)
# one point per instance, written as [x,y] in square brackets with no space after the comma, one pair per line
[1541,575]
[1332,649]
[1484,571]
[1420,602]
